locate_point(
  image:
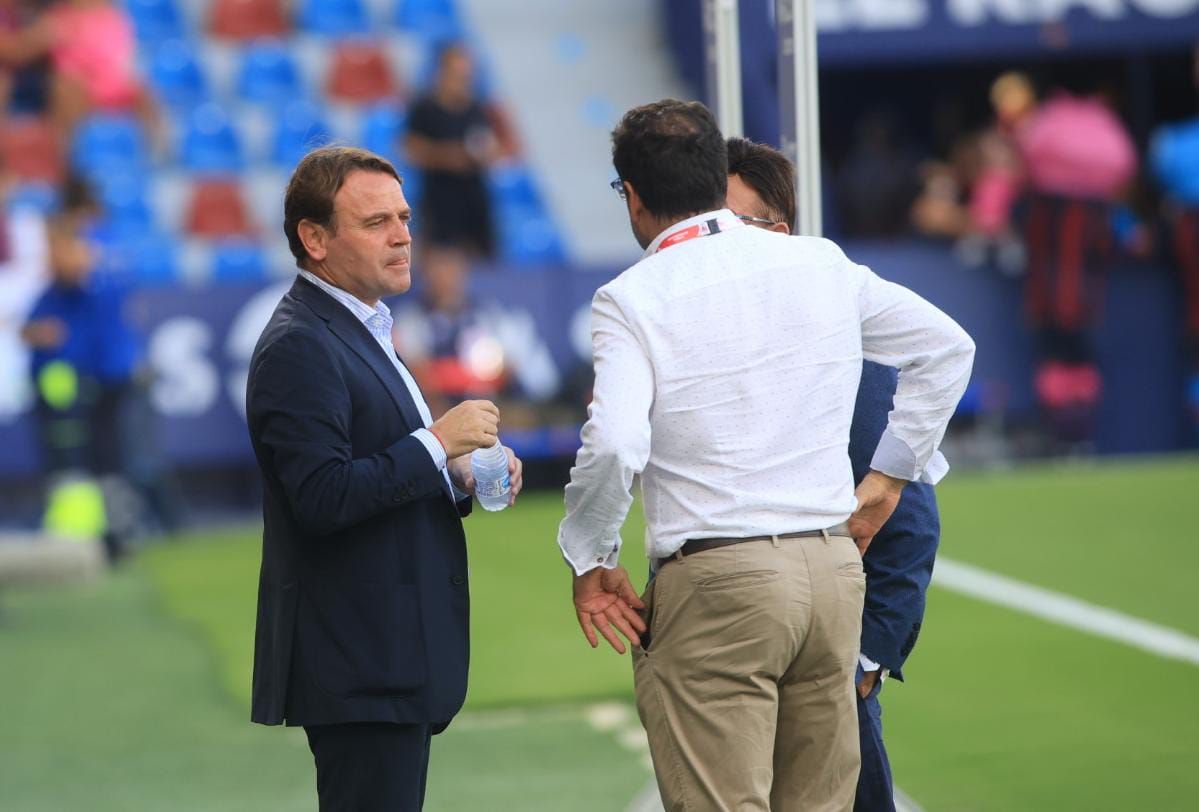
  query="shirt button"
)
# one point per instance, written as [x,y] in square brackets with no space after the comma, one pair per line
[599,559]
[457,580]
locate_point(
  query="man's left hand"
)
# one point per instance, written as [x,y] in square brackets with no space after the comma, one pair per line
[877,496]
[605,599]
[462,477]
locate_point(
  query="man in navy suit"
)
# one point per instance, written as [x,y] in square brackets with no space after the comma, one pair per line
[899,559]
[362,602]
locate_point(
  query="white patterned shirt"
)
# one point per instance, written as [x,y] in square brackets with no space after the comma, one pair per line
[726,371]
[378,322]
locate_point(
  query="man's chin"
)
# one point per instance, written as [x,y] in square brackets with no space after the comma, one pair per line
[399,278]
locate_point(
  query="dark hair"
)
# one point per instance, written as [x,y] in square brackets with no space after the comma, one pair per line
[768,172]
[75,196]
[314,184]
[673,154]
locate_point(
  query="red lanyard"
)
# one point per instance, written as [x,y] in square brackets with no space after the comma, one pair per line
[708,227]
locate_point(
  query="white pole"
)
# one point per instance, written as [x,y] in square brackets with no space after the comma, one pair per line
[799,107]
[722,51]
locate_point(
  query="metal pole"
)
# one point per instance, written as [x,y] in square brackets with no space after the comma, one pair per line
[799,107]
[722,51]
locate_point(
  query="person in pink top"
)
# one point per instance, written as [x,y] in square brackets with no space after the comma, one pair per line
[94,58]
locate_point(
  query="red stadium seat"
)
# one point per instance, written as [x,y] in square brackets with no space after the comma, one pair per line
[248,19]
[217,210]
[360,73]
[31,150]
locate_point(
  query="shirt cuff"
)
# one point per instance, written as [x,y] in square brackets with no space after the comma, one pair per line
[868,664]
[433,445]
[894,457]
[597,558]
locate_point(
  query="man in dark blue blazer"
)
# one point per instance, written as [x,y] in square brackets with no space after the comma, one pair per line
[899,559]
[362,602]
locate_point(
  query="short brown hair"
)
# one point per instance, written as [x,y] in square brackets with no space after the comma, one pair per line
[314,184]
[769,173]
[673,154]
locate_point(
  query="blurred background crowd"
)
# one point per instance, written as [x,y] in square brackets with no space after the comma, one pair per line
[1035,176]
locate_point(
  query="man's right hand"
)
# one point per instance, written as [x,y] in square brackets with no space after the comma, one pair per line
[469,425]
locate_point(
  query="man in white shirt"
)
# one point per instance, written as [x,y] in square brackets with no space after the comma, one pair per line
[727,362]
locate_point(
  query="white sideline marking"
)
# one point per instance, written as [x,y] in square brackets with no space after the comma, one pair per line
[904,802]
[1066,611]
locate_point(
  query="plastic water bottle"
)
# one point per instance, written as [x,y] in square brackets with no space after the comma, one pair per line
[490,469]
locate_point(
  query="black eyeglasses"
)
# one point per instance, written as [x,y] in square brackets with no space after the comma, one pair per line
[618,187]
[756,221]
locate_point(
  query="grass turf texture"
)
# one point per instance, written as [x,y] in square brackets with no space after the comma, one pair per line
[116,698]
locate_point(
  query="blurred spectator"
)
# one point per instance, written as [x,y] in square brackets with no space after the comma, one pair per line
[1175,163]
[24,65]
[878,181]
[1079,160]
[459,349]
[23,275]
[89,382]
[452,141]
[93,54]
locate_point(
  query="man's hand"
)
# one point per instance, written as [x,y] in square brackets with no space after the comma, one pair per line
[869,678]
[877,497]
[464,478]
[469,425]
[604,598]
[45,334]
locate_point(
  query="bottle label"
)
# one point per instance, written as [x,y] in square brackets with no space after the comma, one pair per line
[492,487]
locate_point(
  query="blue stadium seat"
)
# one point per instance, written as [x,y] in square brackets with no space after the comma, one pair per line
[531,240]
[176,75]
[238,261]
[332,18]
[123,196]
[108,143]
[135,255]
[433,20]
[512,185]
[39,196]
[269,74]
[301,128]
[381,129]
[155,20]
[210,144]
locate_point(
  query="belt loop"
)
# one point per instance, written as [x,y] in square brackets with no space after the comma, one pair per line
[824,534]
[774,539]
[678,554]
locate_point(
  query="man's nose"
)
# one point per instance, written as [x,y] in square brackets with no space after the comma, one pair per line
[400,233]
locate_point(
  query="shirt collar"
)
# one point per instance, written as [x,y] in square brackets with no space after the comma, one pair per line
[725,218]
[361,310]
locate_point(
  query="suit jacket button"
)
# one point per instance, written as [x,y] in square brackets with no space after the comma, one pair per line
[457,580]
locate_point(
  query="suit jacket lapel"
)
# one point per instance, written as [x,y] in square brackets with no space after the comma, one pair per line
[346,326]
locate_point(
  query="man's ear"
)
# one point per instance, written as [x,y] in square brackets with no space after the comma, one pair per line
[781,228]
[636,206]
[313,236]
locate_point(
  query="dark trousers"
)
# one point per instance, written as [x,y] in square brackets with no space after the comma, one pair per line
[875,790]
[370,767]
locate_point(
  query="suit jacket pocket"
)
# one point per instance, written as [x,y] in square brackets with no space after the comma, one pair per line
[367,639]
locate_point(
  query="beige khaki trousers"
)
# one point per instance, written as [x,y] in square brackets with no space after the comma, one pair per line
[745,684]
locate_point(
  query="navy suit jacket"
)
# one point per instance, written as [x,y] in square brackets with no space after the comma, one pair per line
[362,598]
[899,562]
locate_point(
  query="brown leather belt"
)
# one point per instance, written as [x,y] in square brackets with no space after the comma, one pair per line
[693,546]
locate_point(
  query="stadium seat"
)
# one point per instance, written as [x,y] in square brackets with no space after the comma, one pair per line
[217,210]
[123,196]
[247,19]
[360,73]
[301,128]
[145,256]
[176,75]
[268,74]
[38,196]
[239,260]
[332,18]
[210,144]
[433,20]
[512,186]
[30,149]
[382,126]
[531,241]
[108,142]
[155,20]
